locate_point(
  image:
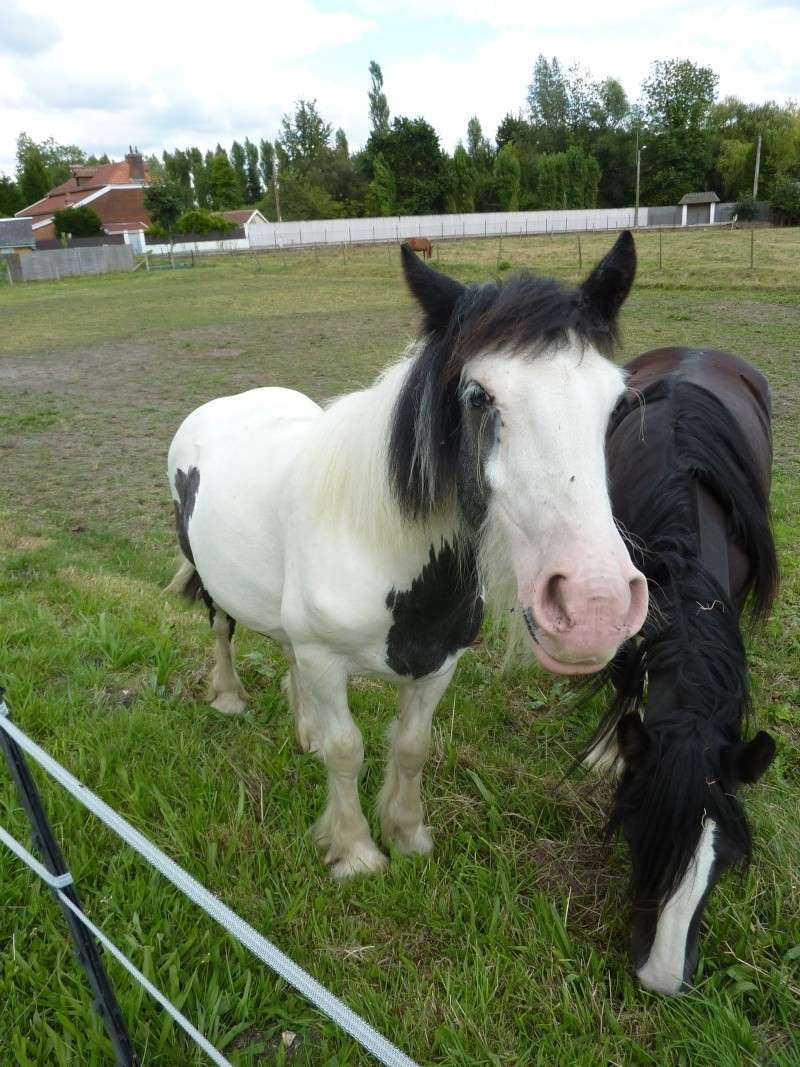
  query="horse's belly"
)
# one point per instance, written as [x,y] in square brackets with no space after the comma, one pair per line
[242,449]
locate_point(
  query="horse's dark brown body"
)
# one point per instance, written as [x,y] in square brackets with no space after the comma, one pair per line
[634,467]
[689,452]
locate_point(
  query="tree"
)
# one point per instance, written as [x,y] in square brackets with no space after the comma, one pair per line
[412,151]
[677,100]
[254,190]
[199,174]
[178,169]
[507,178]
[266,157]
[305,136]
[478,147]
[10,197]
[78,222]
[56,159]
[378,106]
[223,183]
[548,104]
[165,202]
[301,199]
[32,178]
[382,190]
[239,163]
[462,182]
[785,203]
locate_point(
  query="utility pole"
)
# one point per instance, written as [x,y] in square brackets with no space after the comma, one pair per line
[276,186]
[758,168]
[638,175]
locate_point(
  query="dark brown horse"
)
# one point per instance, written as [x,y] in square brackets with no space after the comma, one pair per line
[420,244]
[689,454]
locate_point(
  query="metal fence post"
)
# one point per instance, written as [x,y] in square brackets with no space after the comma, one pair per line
[105,1003]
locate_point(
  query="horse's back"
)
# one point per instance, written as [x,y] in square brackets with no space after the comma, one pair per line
[237,455]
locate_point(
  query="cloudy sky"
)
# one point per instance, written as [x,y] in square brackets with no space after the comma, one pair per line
[158,74]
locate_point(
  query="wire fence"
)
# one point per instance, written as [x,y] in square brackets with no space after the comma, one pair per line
[325,1001]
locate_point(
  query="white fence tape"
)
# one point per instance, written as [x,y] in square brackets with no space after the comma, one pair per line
[317,994]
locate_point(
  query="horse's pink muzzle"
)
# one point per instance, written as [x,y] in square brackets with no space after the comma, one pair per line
[577,624]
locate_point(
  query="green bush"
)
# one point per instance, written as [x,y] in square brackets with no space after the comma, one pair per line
[78,221]
[201,222]
[746,208]
[785,203]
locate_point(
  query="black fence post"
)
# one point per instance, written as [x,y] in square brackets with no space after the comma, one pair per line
[86,948]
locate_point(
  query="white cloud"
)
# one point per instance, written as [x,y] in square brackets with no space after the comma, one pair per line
[25,33]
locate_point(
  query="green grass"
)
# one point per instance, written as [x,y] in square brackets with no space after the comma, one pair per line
[508,945]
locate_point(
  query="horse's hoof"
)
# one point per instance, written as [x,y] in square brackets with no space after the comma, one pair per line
[229,703]
[360,859]
[306,738]
[418,842]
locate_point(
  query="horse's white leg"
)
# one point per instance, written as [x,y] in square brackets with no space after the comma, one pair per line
[341,831]
[303,718]
[400,802]
[227,693]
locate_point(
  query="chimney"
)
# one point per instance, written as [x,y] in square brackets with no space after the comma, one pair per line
[135,165]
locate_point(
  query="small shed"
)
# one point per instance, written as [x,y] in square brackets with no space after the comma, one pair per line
[16,235]
[698,208]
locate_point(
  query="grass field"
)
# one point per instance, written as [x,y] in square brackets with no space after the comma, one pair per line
[507,946]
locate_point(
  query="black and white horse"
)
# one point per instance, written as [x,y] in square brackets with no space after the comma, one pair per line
[363,536]
[690,457]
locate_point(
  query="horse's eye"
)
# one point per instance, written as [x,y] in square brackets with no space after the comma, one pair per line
[477,396]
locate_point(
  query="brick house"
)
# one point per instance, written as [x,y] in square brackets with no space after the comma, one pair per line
[114,190]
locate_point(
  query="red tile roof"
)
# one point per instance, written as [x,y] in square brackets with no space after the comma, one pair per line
[75,189]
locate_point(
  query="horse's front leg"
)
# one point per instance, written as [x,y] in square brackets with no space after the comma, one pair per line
[342,832]
[400,802]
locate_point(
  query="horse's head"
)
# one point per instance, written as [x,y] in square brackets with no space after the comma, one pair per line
[505,409]
[677,809]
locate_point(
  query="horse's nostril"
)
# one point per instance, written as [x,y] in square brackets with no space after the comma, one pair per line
[553,599]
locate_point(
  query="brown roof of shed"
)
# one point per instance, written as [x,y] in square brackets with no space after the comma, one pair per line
[699,198]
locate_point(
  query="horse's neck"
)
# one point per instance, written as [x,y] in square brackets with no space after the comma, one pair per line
[346,473]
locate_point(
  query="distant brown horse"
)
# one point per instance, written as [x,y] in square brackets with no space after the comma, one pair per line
[421,244]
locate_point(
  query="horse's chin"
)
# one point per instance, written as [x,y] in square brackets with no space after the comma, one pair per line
[558,666]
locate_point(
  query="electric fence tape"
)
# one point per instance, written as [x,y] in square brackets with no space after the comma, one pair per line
[330,1005]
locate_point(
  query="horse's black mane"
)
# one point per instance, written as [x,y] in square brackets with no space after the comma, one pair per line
[524,313]
[688,667]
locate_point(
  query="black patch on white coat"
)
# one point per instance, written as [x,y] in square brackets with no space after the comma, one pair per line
[440,614]
[186,486]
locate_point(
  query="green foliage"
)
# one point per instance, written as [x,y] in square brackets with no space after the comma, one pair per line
[305,136]
[507,178]
[10,197]
[266,161]
[378,106]
[200,183]
[735,163]
[253,188]
[382,190]
[78,221]
[463,179]
[165,202]
[238,159]
[33,180]
[178,170]
[784,204]
[203,222]
[412,151]
[747,209]
[478,147]
[225,191]
[55,158]
[301,199]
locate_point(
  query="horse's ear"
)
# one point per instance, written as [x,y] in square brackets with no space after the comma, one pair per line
[633,739]
[753,758]
[436,293]
[610,282]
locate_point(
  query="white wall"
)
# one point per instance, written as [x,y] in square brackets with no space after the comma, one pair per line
[337,231]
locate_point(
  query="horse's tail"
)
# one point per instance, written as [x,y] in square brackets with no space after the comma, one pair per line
[186,582]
